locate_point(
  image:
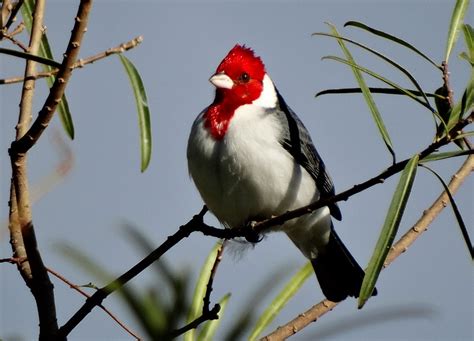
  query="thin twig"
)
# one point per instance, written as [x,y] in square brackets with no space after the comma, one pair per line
[444,67]
[207,296]
[207,313]
[83,293]
[17,30]
[82,62]
[397,249]
[212,314]
[13,14]
[18,43]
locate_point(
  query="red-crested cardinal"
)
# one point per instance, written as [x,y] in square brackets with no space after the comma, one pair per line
[252,158]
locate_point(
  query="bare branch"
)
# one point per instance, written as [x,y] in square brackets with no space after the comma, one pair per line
[82,62]
[209,315]
[15,41]
[398,248]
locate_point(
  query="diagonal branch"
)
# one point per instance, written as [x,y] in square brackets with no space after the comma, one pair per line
[392,170]
[81,62]
[83,293]
[398,248]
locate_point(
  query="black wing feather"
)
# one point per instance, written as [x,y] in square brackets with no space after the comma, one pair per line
[298,143]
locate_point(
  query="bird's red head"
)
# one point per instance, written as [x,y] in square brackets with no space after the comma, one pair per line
[239,81]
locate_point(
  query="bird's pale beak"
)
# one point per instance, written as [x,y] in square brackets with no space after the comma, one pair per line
[221,80]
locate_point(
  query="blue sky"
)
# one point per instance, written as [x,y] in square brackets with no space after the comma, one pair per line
[426,294]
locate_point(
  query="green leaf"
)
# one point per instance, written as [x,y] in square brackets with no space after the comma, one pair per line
[45,51]
[142,109]
[388,91]
[367,95]
[457,19]
[29,56]
[392,38]
[469,40]
[389,230]
[200,291]
[463,55]
[290,289]
[457,214]
[446,155]
[466,134]
[385,58]
[209,329]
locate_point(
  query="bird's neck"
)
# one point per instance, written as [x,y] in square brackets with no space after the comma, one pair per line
[219,114]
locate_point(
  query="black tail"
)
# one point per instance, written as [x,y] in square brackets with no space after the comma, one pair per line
[338,273]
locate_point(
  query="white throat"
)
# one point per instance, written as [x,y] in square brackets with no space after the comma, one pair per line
[268,97]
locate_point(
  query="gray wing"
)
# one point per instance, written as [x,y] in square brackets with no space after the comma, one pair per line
[297,142]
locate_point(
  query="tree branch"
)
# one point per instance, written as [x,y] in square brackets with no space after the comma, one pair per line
[81,62]
[46,113]
[22,233]
[397,249]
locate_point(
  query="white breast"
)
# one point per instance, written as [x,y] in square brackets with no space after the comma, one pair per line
[247,175]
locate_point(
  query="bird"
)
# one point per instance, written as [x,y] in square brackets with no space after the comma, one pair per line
[251,158]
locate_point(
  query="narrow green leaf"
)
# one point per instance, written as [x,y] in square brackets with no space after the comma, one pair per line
[373,90]
[290,289]
[389,230]
[367,95]
[464,55]
[457,19]
[457,214]
[469,40]
[209,329]
[392,38]
[142,109]
[385,58]
[466,134]
[200,291]
[446,155]
[24,55]
[45,51]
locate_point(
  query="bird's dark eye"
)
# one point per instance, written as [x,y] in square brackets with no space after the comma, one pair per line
[244,77]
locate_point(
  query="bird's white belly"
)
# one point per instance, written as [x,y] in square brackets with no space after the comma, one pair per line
[248,175]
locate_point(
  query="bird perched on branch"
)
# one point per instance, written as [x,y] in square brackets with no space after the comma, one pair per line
[252,158]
